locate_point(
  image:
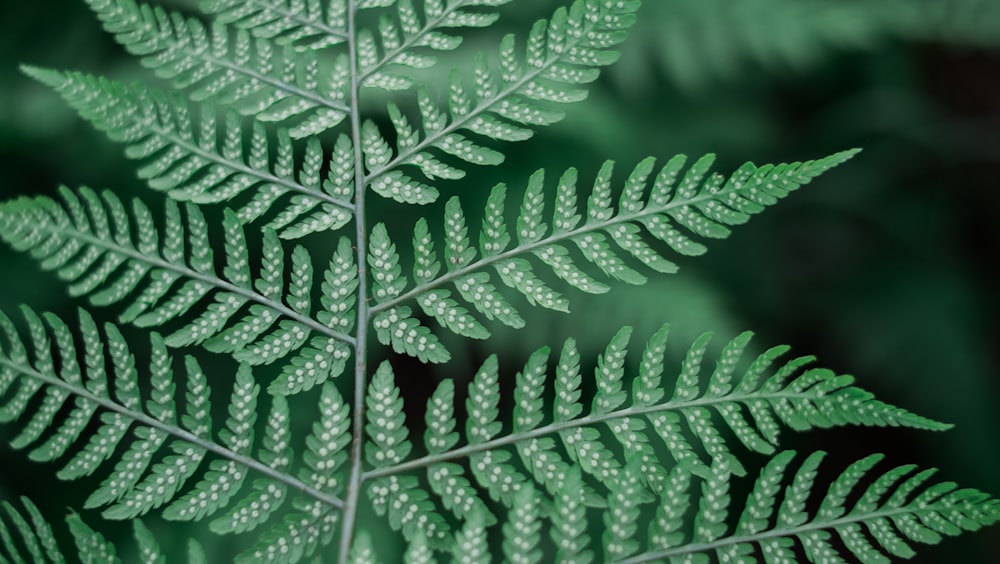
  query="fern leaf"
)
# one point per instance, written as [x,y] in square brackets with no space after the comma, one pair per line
[101,259]
[622,515]
[408,506]
[91,545]
[684,424]
[893,521]
[569,521]
[363,550]
[153,467]
[37,541]
[301,25]
[149,549]
[522,530]
[408,30]
[190,163]
[224,478]
[559,54]
[250,75]
[398,327]
[298,536]
[471,546]
[418,552]
[266,496]
[267,83]
[674,208]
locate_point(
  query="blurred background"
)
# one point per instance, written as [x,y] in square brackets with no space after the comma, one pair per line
[885,268]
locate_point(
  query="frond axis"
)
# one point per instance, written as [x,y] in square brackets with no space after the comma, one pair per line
[243,168]
[484,262]
[210,280]
[482,107]
[356,476]
[586,421]
[182,434]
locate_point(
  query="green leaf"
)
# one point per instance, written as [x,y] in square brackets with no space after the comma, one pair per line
[560,53]
[197,165]
[155,462]
[250,75]
[162,282]
[91,545]
[522,531]
[671,208]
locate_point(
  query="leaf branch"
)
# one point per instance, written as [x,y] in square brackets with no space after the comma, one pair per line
[483,262]
[182,434]
[554,428]
[696,548]
[481,107]
[210,280]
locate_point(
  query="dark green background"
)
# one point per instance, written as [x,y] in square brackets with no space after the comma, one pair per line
[885,268]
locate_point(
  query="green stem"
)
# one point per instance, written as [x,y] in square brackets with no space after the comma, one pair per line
[361,337]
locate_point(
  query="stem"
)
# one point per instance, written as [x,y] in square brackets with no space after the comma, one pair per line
[560,426]
[149,421]
[361,337]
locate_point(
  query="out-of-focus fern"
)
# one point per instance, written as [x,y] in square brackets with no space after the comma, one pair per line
[698,43]
[264,116]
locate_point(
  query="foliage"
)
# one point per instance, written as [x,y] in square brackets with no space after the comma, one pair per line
[265,116]
[713,40]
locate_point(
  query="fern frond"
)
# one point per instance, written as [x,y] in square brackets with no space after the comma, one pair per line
[188,162]
[31,539]
[407,29]
[267,83]
[560,53]
[698,43]
[88,241]
[313,522]
[301,25]
[676,207]
[895,509]
[157,465]
[752,405]
[250,75]
[90,544]
[93,547]
[711,41]
[407,504]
